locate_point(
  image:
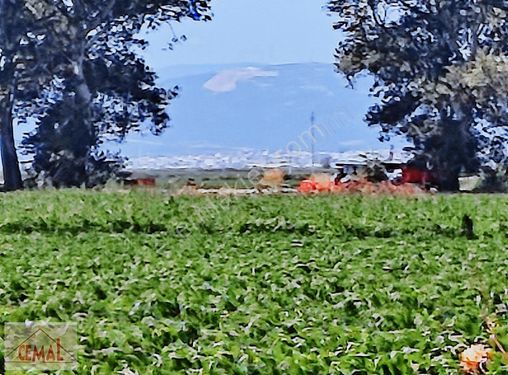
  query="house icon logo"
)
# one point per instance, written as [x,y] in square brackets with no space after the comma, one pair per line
[42,346]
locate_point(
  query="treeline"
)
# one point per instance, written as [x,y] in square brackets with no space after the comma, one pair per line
[73,68]
[440,71]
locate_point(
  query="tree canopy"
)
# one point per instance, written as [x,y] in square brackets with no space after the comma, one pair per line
[439,71]
[97,85]
[24,65]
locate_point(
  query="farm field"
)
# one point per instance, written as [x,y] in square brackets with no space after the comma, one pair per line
[259,285]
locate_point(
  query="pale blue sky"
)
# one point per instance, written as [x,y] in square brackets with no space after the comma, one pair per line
[251,31]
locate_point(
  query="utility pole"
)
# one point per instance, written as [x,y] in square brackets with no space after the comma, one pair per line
[313,137]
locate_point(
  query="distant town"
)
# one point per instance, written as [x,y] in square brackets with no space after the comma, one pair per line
[252,158]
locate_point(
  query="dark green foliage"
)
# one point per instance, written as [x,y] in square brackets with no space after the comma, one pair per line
[75,68]
[439,70]
[23,56]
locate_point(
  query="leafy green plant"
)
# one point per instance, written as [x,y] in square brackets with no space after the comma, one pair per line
[274,285]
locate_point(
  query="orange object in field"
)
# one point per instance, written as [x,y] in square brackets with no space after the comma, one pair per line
[307,186]
[272,178]
[317,183]
[322,186]
[338,187]
[323,182]
[473,357]
[147,181]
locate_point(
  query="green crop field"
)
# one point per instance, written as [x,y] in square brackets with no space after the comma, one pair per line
[261,285]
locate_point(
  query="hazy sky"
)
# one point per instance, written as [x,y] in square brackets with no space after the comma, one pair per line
[251,31]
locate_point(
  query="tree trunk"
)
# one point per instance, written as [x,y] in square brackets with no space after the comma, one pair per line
[454,151]
[449,181]
[79,137]
[9,42]
[10,163]
[84,126]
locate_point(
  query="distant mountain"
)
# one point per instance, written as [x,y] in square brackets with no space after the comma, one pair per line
[255,107]
[251,109]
